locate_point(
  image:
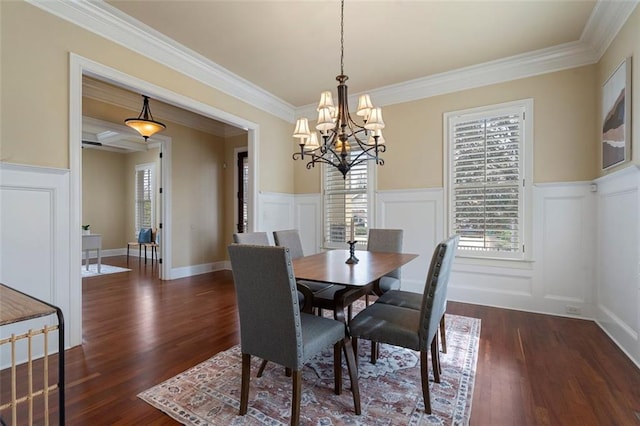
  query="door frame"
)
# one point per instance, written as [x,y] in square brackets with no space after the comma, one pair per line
[79,66]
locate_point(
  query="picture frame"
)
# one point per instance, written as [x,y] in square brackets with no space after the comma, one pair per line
[616,116]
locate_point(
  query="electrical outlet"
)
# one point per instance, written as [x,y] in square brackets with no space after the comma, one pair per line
[573,310]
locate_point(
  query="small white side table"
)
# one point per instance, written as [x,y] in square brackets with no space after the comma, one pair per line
[92,242]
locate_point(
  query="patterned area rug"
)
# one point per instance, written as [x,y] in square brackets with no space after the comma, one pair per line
[104,269]
[390,390]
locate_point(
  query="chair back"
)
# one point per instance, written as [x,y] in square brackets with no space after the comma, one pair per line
[270,324]
[289,238]
[386,241]
[435,290]
[255,238]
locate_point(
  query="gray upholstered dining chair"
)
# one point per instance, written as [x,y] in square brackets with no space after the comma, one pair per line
[290,238]
[380,240]
[387,241]
[409,328]
[256,238]
[272,326]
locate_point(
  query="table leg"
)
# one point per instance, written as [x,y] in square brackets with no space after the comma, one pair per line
[86,259]
[99,258]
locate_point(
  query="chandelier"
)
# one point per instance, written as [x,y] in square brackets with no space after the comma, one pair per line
[345,143]
[145,124]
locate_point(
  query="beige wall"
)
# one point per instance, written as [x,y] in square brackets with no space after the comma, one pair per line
[104,178]
[626,44]
[35,47]
[564,111]
[198,212]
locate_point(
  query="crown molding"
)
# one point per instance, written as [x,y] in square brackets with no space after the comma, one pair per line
[106,21]
[99,17]
[603,25]
[605,22]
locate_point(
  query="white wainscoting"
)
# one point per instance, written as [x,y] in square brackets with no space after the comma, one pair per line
[558,277]
[34,247]
[308,214]
[276,212]
[617,259]
[420,214]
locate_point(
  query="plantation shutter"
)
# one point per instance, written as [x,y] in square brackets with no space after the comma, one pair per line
[144,198]
[345,200]
[487,181]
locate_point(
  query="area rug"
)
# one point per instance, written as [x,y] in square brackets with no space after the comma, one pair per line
[390,390]
[104,270]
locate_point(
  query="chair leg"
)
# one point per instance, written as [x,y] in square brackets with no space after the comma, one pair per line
[443,337]
[244,387]
[435,359]
[296,397]
[424,372]
[375,351]
[337,368]
[352,367]
[261,369]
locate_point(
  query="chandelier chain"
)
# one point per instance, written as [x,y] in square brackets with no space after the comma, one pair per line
[342,38]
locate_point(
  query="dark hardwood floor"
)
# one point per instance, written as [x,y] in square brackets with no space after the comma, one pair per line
[138,331]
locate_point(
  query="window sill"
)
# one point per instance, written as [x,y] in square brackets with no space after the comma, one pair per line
[463,259]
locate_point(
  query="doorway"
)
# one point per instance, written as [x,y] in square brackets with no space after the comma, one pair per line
[79,67]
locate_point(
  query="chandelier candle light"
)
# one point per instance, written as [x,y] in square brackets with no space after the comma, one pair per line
[340,133]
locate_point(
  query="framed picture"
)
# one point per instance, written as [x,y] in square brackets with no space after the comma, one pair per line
[616,116]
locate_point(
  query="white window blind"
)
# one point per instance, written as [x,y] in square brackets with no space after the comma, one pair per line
[144,202]
[346,200]
[487,181]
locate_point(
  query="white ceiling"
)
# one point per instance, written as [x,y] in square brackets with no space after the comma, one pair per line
[292,48]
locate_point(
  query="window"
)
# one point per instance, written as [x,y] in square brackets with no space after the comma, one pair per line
[347,201]
[145,196]
[489,173]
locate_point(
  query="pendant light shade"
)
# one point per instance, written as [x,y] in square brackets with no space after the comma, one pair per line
[144,123]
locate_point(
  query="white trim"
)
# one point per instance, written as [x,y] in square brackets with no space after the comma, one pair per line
[105,20]
[189,271]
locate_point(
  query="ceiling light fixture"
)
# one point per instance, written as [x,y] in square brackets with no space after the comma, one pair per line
[145,124]
[344,142]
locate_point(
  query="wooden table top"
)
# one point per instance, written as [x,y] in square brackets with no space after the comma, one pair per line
[16,306]
[330,266]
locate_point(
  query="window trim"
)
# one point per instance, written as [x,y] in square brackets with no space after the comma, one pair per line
[371,184]
[526,196]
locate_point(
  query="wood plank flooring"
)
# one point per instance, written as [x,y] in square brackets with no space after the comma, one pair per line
[138,331]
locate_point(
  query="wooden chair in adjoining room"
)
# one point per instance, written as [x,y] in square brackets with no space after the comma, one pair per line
[147,237]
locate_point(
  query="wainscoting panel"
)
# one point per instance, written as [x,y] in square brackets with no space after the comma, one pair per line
[34,245]
[564,246]
[308,214]
[618,254]
[420,214]
[276,211]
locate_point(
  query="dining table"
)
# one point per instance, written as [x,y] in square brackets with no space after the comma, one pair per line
[363,277]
